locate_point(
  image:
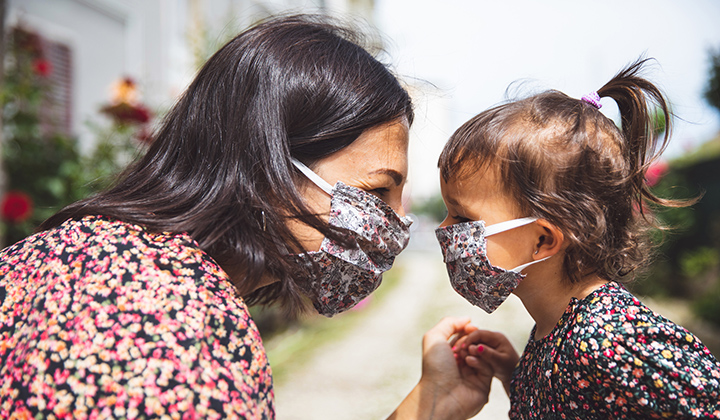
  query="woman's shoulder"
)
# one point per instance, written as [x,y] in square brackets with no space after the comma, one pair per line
[128,298]
[96,244]
[97,257]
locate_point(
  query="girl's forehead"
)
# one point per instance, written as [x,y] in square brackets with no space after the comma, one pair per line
[478,186]
[471,177]
[480,197]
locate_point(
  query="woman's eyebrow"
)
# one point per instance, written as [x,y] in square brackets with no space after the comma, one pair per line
[452,201]
[395,175]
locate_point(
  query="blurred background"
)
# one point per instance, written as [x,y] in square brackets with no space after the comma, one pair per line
[84,82]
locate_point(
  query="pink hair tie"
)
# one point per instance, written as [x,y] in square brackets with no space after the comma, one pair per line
[593,99]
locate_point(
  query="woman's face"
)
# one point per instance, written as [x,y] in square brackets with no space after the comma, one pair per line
[377,162]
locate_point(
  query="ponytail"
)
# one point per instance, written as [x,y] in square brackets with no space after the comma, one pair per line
[640,102]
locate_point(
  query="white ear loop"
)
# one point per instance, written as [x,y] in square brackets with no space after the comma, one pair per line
[512,224]
[524,266]
[312,176]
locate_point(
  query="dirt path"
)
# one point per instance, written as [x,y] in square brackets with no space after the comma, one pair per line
[371,369]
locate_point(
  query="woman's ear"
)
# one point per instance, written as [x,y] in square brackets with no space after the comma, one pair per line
[550,240]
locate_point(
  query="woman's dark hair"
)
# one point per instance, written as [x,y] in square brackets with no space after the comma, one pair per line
[219,166]
[564,161]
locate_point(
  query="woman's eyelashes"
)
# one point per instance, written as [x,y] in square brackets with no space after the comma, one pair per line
[381,192]
[460,219]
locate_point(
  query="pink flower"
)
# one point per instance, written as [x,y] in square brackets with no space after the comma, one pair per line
[16,207]
[42,67]
[656,171]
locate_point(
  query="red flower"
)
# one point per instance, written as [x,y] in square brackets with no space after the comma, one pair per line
[16,207]
[655,172]
[124,113]
[42,67]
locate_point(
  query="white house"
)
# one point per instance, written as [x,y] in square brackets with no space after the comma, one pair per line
[158,43]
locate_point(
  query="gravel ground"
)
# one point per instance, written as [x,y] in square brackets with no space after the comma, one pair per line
[371,369]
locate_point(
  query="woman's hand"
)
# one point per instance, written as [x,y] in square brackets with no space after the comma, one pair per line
[447,389]
[479,348]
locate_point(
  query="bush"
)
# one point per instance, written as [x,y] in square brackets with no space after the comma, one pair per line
[43,166]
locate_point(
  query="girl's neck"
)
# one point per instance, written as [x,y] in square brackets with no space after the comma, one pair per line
[546,301]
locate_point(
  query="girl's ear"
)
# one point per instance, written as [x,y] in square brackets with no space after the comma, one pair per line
[550,240]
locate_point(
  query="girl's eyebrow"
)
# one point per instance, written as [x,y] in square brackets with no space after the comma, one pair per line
[397,177]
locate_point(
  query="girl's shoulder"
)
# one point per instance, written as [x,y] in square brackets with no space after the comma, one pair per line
[635,357]
[613,310]
[612,315]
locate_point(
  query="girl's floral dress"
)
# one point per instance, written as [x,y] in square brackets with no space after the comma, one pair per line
[610,357]
[102,319]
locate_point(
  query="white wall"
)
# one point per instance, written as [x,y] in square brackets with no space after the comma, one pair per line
[109,39]
[148,40]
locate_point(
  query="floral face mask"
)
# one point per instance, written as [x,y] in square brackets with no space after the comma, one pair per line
[464,248]
[348,275]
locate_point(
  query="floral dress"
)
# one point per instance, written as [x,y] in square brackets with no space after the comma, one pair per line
[610,357]
[102,319]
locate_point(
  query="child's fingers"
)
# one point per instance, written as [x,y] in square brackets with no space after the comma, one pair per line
[502,362]
[490,338]
[445,329]
[478,349]
[461,344]
[481,366]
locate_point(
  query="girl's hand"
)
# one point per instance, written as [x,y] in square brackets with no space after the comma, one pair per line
[480,348]
[447,389]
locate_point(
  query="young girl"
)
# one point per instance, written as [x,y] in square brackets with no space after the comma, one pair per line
[550,186]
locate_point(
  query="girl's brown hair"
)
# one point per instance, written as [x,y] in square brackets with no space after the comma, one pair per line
[565,162]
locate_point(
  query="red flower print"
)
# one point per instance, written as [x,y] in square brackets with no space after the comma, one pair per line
[42,67]
[16,207]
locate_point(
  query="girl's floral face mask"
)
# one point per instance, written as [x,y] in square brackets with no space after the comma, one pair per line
[464,248]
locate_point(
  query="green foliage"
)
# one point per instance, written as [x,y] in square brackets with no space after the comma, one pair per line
[659,122]
[699,261]
[433,207]
[40,161]
[706,307]
[712,90]
[689,262]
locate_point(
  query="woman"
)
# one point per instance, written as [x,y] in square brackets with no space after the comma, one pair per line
[277,176]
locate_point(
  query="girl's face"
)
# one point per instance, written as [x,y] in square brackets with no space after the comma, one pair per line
[481,196]
[377,162]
